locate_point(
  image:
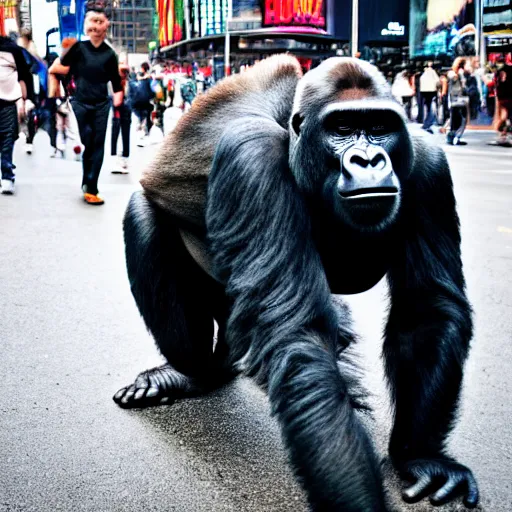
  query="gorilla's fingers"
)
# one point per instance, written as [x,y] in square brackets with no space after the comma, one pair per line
[417,491]
[140,393]
[447,492]
[152,392]
[471,499]
[119,395]
[129,394]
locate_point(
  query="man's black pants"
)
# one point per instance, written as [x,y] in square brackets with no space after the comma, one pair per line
[92,124]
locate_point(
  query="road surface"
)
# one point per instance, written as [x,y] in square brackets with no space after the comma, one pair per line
[71,336]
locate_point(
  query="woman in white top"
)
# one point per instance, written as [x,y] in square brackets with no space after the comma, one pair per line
[403,90]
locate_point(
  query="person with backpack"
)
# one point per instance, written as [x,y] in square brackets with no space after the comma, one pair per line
[141,96]
[459,101]
[188,91]
[121,123]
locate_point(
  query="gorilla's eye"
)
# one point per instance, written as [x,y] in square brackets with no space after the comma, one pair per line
[344,130]
[379,130]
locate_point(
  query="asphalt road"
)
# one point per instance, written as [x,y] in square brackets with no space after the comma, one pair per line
[70,336]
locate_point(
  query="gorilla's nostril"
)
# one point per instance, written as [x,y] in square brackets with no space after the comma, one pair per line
[359,161]
[378,162]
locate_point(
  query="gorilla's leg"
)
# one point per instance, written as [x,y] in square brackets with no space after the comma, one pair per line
[178,302]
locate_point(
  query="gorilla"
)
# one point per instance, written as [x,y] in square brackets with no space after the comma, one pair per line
[275,191]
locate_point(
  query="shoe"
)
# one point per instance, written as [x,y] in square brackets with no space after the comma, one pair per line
[460,143]
[122,166]
[29,148]
[93,199]
[7,187]
[141,142]
[57,153]
[428,130]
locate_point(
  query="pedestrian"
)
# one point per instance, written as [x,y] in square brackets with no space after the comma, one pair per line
[419,98]
[32,112]
[458,100]
[92,65]
[403,90]
[504,98]
[429,84]
[160,98]
[63,125]
[188,91]
[121,122]
[15,83]
[141,97]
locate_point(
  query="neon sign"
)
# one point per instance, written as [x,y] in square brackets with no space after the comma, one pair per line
[294,13]
[393,29]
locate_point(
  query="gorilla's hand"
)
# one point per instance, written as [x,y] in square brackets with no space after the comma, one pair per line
[441,479]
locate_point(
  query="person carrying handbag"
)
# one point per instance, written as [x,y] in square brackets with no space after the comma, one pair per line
[458,100]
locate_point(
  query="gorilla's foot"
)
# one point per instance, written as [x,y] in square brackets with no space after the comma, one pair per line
[158,386]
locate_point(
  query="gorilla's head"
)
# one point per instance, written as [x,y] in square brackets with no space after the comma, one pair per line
[349,142]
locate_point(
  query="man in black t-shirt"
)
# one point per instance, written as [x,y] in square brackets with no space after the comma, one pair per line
[92,64]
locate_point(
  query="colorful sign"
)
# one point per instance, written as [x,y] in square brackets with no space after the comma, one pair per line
[8,17]
[294,13]
[171,16]
[443,28]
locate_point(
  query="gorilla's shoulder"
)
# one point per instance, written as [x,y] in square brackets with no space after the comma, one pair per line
[429,160]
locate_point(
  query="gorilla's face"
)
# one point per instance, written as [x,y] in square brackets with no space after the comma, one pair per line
[365,150]
[349,143]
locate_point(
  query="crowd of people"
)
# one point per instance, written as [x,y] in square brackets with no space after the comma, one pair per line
[453,98]
[73,96]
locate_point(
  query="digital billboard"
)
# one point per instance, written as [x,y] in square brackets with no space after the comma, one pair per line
[171,17]
[383,21]
[442,27]
[497,17]
[304,13]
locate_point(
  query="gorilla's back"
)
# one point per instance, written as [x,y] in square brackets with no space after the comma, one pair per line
[177,178]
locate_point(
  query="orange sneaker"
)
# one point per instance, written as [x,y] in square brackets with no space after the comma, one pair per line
[93,199]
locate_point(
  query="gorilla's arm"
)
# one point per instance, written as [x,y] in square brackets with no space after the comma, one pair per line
[282,322]
[428,333]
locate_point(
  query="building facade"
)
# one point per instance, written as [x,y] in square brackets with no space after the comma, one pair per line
[132,25]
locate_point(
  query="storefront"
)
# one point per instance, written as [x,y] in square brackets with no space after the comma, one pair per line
[497,25]
[256,30]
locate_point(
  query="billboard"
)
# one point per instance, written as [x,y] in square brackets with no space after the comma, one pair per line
[171,16]
[293,13]
[442,27]
[383,21]
[497,17]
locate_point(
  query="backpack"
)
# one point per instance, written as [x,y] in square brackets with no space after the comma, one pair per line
[187,91]
[141,92]
[158,90]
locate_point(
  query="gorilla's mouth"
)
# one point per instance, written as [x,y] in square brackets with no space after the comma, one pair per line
[369,192]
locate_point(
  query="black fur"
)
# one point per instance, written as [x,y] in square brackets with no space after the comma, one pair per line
[281,241]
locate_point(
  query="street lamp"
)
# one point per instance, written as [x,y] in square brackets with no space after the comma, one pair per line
[355,27]
[227,42]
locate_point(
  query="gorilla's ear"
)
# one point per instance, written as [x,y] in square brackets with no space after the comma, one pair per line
[296,122]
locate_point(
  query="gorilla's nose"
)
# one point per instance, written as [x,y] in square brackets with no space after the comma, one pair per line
[367,171]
